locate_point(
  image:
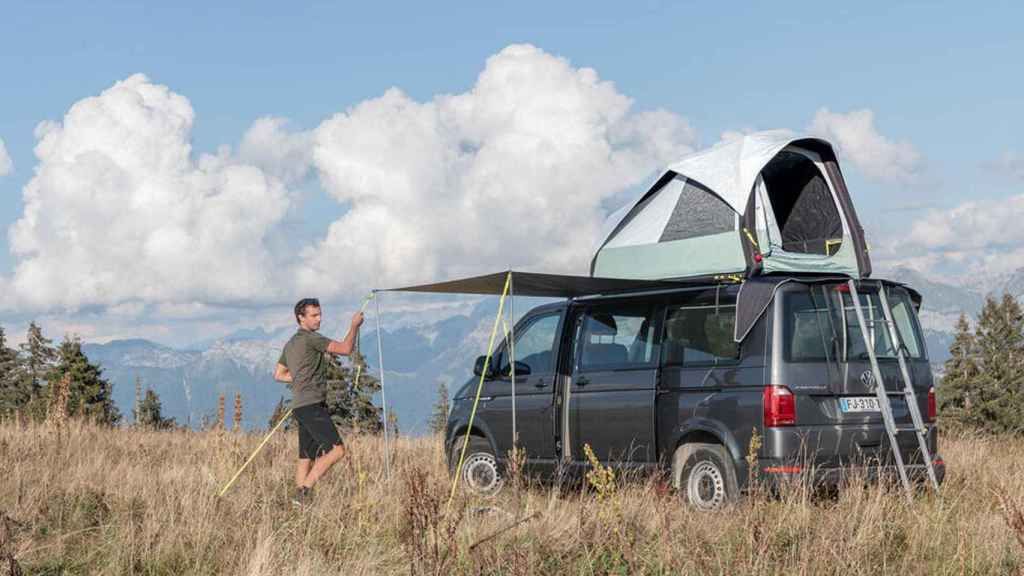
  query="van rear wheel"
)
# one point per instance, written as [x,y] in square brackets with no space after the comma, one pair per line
[704,475]
[480,472]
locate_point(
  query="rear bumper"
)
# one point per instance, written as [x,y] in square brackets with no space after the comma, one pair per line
[776,474]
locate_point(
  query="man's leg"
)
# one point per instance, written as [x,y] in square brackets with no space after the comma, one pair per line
[302,470]
[322,465]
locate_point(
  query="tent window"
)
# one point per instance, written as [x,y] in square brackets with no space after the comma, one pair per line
[804,208]
[699,212]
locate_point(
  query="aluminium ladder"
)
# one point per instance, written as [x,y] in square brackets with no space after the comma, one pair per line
[907,390]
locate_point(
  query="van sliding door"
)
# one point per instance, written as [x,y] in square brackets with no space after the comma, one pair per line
[611,400]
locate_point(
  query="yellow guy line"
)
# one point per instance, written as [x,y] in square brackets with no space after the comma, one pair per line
[359,367]
[255,452]
[479,388]
[281,421]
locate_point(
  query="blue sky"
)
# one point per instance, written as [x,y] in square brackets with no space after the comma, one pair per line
[938,78]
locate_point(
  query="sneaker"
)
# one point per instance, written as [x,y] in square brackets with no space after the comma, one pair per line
[302,497]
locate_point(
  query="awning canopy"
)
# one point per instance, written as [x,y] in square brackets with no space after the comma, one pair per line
[545,285]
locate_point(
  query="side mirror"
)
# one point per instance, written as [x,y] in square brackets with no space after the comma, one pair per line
[522,369]
[478,368]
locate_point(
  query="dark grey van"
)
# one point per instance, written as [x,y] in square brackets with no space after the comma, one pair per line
[656,381]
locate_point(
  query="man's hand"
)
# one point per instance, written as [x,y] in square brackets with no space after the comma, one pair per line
[357,320]
[282,374]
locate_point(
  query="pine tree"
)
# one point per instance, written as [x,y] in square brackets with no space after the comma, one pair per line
[1000,344]
[35,359]
[150,414]
[960,376]
[439,417]
[90,393]
[12,395]
[350,403]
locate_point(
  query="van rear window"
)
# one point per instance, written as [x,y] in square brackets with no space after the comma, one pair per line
[821,324]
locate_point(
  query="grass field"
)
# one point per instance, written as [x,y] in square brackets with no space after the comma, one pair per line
[100,501]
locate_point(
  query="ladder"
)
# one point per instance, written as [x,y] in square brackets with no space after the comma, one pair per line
[907,390]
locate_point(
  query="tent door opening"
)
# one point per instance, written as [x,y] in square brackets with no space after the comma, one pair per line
[797,209]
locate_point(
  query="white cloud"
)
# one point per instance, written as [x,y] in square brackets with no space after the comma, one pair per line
[510,173]
[121,215]
[979,238]
[6,166]
[118,210]
[1010,163]
[860,143]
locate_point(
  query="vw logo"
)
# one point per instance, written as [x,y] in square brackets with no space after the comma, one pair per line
[867,378]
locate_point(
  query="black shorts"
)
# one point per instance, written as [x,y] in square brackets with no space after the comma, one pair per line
[317,434]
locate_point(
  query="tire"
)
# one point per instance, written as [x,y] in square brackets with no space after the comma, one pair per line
[704,476]
[480,472]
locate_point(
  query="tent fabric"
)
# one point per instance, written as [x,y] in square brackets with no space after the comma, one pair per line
[541,285]
[772,194]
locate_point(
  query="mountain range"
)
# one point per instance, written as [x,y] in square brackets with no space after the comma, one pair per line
[419,354]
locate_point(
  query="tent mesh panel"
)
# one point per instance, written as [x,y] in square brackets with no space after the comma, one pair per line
[699,212]
[804,209]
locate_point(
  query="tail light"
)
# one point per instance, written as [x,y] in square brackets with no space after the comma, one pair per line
[932,410]
[779,406]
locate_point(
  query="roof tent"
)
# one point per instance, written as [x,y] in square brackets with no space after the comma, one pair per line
[763,203]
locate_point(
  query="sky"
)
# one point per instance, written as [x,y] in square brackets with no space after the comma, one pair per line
[177,172]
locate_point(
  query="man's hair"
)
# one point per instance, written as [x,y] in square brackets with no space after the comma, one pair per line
[301,305]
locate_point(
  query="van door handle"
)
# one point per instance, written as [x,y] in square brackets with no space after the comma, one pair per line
[582,381]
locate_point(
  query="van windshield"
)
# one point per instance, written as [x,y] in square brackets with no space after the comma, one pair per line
[821,324]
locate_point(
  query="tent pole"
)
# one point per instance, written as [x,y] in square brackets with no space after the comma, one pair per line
[512,352]
[383,396]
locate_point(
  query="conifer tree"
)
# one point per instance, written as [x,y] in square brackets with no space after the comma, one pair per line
[960,376]
[439,416]
[12,395]
[36,358]
[350,403]
[1000,344]
[90,394]
[150,414]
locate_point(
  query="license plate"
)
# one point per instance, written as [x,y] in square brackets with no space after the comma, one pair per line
[859,404]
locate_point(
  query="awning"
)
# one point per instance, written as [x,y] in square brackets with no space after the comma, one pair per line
[544,285]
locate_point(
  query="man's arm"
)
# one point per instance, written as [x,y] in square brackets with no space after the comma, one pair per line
[348,343]
[282,374]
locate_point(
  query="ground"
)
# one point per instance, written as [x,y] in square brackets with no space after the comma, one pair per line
[89,500]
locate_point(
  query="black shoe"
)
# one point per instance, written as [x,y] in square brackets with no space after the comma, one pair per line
[302,497]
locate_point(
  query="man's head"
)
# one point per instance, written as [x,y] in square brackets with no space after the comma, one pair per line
[307,313]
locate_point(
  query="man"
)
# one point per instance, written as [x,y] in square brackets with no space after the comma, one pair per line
[303,363]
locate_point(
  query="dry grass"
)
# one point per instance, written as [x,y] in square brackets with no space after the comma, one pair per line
[97,501]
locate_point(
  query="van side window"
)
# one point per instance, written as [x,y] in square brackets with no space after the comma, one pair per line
[700,336]
[617,339]
[534,346]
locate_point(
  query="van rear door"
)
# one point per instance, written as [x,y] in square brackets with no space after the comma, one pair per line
[823,359]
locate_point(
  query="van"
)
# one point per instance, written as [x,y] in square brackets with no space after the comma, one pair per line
[655,381]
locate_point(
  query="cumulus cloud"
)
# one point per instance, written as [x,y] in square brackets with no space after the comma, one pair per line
[860,143]
[122,214]
[510,173]
[1011,163]
[975,237]
[119,210]
[5,161]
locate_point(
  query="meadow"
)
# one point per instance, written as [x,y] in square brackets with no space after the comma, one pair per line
[93,500]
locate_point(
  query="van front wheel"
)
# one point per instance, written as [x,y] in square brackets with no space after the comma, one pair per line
[480,472]
[704,475]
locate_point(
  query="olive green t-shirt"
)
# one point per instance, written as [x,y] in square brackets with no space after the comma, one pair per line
[304,356]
